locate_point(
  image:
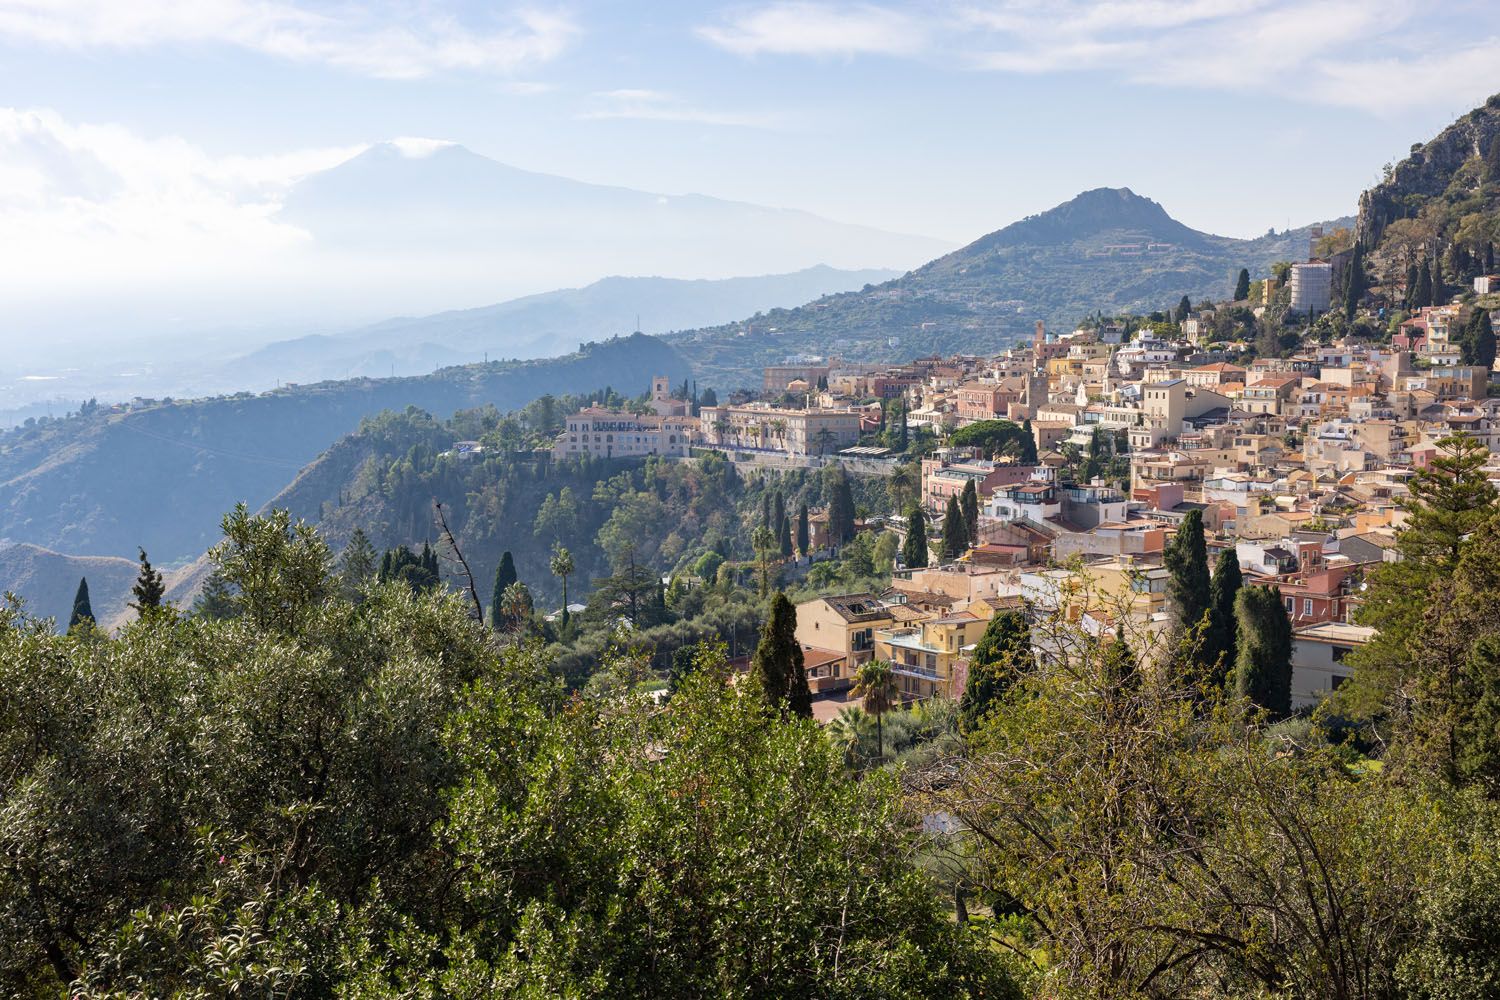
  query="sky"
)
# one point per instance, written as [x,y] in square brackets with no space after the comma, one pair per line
[163,132]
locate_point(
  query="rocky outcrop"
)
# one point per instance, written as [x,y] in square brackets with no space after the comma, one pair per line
[1427,172]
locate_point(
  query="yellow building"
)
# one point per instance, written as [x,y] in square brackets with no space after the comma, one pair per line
[923,654]
[844,626]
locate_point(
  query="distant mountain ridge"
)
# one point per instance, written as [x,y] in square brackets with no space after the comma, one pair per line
[544,325]
[1108,249]
[445,204]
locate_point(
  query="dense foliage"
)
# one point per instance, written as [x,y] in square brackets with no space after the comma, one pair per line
[318,796]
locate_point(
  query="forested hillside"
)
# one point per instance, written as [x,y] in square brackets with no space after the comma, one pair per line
[1438,208]
[1107,249]
[162,474]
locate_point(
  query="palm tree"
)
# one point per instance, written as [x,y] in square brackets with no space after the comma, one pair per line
[848,731]
[562,567]
[875,687]
[904,485]
[763,540]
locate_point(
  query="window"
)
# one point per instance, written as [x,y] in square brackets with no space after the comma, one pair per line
[1291,605]
[1339,652]
[1307,606]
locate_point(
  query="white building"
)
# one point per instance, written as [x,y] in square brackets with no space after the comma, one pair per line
[604,433]
[1318,660]
[1311,286]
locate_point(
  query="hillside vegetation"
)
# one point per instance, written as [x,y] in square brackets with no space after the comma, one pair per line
[1107,250]
[161,475]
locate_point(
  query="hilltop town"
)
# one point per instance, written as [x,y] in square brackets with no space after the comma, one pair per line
[1085,451]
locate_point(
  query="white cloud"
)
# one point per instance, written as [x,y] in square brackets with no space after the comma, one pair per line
[654,105]
[1378,56]
[395,38]
[83,204]
[817,29]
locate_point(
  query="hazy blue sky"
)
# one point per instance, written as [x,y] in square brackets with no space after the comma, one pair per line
[168,126]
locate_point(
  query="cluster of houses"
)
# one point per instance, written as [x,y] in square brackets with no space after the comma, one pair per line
[1298,464]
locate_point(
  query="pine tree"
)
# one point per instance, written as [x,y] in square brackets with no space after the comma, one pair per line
[357,565]
[1242,285]
[1186,559]
[804,535]
[1184,309]
[505,575]
[955,541]
[1221,640]
[1263,667]
[914,551]
[968,502]
[148,588]
[778,661]
[217,602]
[83,611]
[1001,656]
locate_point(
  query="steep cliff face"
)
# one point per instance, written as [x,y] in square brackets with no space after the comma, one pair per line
[1430,172]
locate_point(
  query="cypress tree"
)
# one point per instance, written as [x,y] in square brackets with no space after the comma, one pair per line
[804,535]
[1424,286]
[1028,444]
[1002,655]
[1242,285]
[1354,281]
[1479,345]
[778,513]
[778,661]
[765,511]
[1489,256]
[1186,558]
[969,503]
[841,510]
[955,540]
[1184,308]
[1413,279]
[505,575]
[1263,667]
[148,588]
[1439,288]
[784,538]
[914,550]
[903,438]
[82,609]
[1221,641]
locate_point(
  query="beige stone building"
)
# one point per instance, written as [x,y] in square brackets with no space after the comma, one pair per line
[767,428]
